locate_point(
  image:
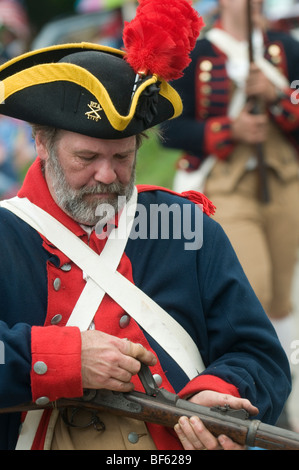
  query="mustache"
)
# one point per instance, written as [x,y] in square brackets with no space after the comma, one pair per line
[112,188]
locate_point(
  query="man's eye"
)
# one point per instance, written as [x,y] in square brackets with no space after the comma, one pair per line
[121,157]
[88,158]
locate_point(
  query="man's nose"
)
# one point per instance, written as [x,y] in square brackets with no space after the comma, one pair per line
[105,172]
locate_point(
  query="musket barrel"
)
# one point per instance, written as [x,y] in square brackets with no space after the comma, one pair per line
[274,438]
[264,193]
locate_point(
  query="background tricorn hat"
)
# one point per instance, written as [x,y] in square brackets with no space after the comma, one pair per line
[101,91]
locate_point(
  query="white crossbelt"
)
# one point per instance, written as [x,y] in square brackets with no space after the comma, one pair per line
[102,278]
[237,53]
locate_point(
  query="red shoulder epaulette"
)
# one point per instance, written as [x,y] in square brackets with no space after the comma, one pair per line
[194,196]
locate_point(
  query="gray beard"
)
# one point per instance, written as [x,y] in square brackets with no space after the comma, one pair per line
[72,201]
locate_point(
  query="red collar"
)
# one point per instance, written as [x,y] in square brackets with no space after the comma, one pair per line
[35,188]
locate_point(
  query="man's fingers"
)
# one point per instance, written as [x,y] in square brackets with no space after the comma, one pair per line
[106,358]
[194,435]
[210,398]
[119,386]
[137,351]
[228,444]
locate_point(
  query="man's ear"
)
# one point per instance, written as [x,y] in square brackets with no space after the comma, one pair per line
[41,148]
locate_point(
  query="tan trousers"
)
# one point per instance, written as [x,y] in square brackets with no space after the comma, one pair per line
[116,435]
[265,237]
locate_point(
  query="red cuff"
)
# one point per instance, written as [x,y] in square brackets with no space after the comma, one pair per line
[218,139]
[208,382]
[56,362]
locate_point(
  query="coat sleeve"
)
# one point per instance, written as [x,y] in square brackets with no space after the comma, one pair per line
[56,362]
[15,366]
[39,362]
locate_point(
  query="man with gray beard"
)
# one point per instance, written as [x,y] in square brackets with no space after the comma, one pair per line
[73,201]
[80,311]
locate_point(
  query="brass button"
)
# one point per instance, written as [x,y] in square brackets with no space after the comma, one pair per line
[204,102]
[206,66]
[216,127]
[205,77]
[206,90]
[274,50]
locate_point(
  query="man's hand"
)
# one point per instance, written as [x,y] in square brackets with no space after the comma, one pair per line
[109,362]
[258,86]
[250,128]
[195,436]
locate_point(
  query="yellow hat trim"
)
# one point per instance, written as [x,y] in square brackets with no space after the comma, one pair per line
[48,73]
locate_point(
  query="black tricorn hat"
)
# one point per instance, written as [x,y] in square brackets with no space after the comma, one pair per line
[85,88]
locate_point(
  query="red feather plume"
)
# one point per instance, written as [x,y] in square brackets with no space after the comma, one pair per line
[161,37]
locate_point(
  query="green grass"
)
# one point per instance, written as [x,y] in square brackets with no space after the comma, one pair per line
[155,164]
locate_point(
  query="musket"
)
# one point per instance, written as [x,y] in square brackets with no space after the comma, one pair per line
[159,406]
[264,193]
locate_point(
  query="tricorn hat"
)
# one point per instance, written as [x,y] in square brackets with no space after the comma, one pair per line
[95,90]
